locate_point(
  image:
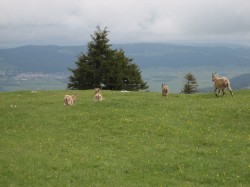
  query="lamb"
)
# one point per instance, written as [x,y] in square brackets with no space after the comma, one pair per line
[165,90]
[69,100]
[98,96]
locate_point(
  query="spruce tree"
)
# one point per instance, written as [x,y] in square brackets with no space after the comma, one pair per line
[191,85]
[104,67]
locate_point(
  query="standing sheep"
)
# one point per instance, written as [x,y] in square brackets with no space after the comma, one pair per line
[98,96]
[220,83]
[165,90]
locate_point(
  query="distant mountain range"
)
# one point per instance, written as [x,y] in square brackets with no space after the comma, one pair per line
[59,58]
[241,81]
[51,59]
[46,59]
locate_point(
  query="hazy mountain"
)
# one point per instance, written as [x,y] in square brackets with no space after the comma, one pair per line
[59,58]
[159,63]
[241,82]
[39,58]
[178,56]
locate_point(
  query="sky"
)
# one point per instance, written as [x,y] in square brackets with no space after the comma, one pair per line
[72,22]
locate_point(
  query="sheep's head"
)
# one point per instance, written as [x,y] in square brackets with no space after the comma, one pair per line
[97,90]
[214,76]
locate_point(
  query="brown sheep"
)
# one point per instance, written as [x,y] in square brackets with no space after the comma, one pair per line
[165,90]
[69,100]
[98,96]
[220,83]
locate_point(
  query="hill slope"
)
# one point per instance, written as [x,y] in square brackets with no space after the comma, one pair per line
[39,58]
[59,58]
[181,56]
[129,139]
[242,81]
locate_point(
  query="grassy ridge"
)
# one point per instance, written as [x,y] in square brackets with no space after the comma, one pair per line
[129,139]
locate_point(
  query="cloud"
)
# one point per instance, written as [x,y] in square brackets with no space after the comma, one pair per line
[67,22]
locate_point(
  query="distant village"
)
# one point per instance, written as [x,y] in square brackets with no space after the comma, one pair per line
[23,76]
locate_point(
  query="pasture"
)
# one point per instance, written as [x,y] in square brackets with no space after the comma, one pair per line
[128,139]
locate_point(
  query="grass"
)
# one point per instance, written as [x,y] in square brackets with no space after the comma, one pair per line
[129,139]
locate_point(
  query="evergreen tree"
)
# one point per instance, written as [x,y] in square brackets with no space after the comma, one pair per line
[102,66]
[191,85]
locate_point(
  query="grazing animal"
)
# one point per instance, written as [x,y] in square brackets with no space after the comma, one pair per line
[220,83]
[69,100]
[98,96]
[165,90]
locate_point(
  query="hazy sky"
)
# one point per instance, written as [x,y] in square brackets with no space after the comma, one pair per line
[71,22]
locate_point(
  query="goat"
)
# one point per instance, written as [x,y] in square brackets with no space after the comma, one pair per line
[165,90]
[220,83]
[98,96]
[69,100]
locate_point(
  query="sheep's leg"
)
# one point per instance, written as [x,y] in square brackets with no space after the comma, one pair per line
[223,92]
[216,92]
[65,102]
[231,91]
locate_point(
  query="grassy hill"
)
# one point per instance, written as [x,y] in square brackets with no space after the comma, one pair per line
[129,139]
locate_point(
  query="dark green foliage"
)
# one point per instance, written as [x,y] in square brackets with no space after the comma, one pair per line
[104,67]
[191,85]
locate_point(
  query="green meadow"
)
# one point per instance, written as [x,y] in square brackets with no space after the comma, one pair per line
[128,139]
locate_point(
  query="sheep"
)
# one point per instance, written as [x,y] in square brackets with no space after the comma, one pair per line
[69,100]
[98,96]
[220,83]
[165,90]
